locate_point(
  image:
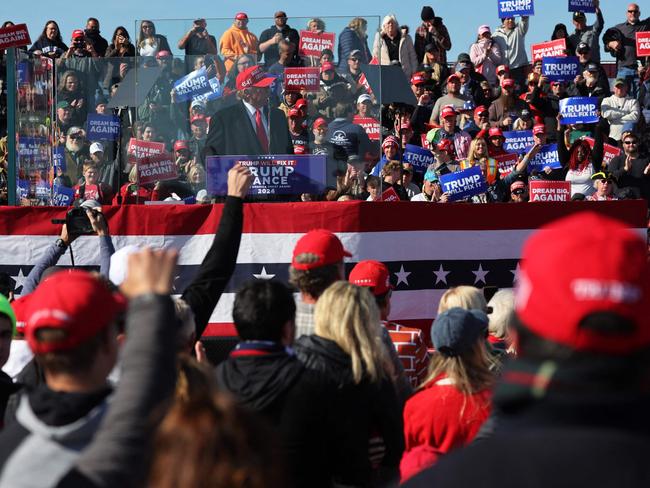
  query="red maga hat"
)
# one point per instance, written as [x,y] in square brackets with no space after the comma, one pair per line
[241,16]
[448,111]
[418,78]
[181,144]
[253,76]
[78,33]
[495,132]
[372,274]
[581,265]
[321,243]
[320,122]
[479,110]
[539,129]
[74,302]
[445,145]
[327,66]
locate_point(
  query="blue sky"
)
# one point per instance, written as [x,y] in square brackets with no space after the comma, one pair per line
[462,18]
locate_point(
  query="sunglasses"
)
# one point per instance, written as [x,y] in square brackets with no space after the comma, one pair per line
[518,191]
[75,136]
[632,11]
[630,143]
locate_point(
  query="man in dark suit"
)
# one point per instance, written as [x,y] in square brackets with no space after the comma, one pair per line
[250,127]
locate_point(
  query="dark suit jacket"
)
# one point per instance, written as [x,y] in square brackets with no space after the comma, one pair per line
[231,133]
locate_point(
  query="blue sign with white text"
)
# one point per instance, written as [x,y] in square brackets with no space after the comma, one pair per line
[62,196]
[511,8]
[103,127]
[464,184]
[272,174]
[586,6]
[518,140]
[58,158]
[547,156]
[216,90]
[192,85]
[579,110]
[560,68]
[419,157]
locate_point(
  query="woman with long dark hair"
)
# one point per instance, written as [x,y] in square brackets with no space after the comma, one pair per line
[150,43]
[72,91]
[49,43]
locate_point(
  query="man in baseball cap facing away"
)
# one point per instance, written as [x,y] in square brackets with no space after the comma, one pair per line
[572,409]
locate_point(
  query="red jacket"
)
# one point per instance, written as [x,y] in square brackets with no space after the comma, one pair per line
[442,417]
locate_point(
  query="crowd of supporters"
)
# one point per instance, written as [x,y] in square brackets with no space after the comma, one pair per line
[105,384]
[460,110]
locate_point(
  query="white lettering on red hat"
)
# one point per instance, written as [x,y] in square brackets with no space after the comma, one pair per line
[613,291]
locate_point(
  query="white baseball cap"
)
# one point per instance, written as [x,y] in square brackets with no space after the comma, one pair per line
[96,147]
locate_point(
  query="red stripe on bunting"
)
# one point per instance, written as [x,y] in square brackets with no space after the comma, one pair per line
[336,216]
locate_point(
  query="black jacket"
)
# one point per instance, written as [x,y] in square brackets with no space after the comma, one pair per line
[369,409]
[297,403]
[232,133]
[581,434]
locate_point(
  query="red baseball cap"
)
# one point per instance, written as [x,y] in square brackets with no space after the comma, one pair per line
[327,66]
[453,77]
[20,307]
[372,274]
[495,132]
[253,76]
[539,129]
[241,16]
[507,82]
[75,302]
[321,243]
[77,33]
[445,145]
[448,111]
[405,125]
[181,144]
[418,78]
[390,141]
[503,68]
[579,265]
[294,112]
[300,104]
[479,110]
[320,122]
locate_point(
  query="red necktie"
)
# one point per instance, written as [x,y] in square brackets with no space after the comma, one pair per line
[261,133]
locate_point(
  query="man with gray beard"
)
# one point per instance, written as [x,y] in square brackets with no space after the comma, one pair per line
[76,152]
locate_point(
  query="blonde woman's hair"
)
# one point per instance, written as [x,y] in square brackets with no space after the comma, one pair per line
[471,154]
[467,297]
[348,315]
[469,372]
[502,317]
[391,166]
[358,25]
[133,174]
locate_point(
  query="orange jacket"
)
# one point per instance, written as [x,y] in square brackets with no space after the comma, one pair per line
[235,42]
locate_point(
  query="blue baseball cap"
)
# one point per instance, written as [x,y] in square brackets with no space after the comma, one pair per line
[455,331]
[431,176]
